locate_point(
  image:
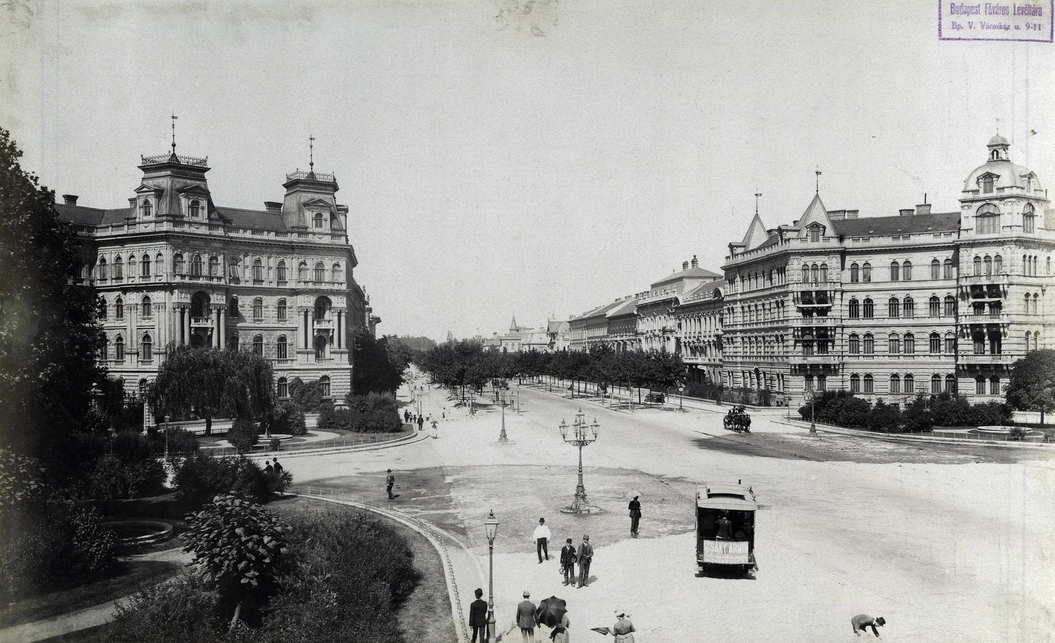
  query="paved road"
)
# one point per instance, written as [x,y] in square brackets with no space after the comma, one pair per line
[941,542]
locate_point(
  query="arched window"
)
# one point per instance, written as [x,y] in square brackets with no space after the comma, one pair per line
[119,308]
[935,344]
[1028,218]
[947,269]
[998,265]
[978,339]
[119,268]
[869,383]
[148,309]
[146,353]
[119,349]
[1036,340]
[195,266]
[950,384]
[855,383]
[950,306]
[935,269]
[322,308]
[103,309]
[935,384]
[895,384]
[233,270]
[1028,335]
[988,262]
[934,307]
[854,344]
[283,387]
[232,343]
[104,346]
[893,344]
[855,273]
[979,385]
[1036,304]
[994,385]
[324,382]
[950,344]
[177,264]
[281,273]
[232,308]
[302,271]
[320,272]
[814,274]
[906,271]
[868,309]
[977,263]
[147,208]
[854,309]
[870,345]
[281,347]
[195,209]
[895,271]
[1047,267]
[824,272]
[910,343]
[805,274]
[258,309]
[318,219]
[893,308]
[909,383]
[214,266]
[281,310]
[258,271]
[866,272]
[258,345]
[132,266]
[102,270]
[337,277]
[1025,309]
[145,266]
[987,219]
[908,308]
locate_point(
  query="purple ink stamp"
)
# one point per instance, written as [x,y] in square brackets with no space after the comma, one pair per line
[1015,21]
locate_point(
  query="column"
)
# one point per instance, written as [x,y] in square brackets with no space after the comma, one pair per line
[223,328]
[304,330]
[216,328]
[309,330]
[340,315]
[184,332]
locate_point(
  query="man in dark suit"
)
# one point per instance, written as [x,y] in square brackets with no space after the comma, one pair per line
[526,618]
[567,562]
[585,558]
[478,617]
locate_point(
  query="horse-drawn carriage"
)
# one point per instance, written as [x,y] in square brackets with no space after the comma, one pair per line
[738,420]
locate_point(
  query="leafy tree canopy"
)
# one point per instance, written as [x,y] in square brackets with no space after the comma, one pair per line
[1032,385]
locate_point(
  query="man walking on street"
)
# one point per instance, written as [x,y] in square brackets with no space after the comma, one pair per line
[635,515]
[542,537]
[585,558]
[567,562]
[390,481]
[478,617]
[526,618]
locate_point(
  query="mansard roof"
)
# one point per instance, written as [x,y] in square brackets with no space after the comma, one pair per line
[81,215]
[253,219]
[692,273]
[908,224]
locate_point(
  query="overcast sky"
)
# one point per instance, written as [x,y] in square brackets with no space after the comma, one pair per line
[535,160]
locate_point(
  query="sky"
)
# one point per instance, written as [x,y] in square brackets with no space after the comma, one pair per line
[534,158]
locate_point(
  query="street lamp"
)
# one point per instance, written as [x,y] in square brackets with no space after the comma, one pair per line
[811,399]
[503,403]
[681,396]
[491,525]
[167,418]
[579,436]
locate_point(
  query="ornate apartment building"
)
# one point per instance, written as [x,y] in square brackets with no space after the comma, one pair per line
[173,268]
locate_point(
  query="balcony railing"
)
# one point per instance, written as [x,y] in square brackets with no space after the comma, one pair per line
[310,176]
[183,160]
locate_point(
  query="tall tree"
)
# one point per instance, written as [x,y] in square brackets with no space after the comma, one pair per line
[213,383]
[1032,385]
[374,370]
[49,333]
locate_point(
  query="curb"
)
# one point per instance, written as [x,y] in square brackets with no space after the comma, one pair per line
[902,437]
[376,446]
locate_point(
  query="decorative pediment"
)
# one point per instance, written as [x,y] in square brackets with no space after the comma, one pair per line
[194,190]
[318,203]
[148,189]
[987,176]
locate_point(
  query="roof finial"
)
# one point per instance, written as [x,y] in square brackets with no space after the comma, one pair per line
[173,132]
[818,187]
[757,194]
[311,153]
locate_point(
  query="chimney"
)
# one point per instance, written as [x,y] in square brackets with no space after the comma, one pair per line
[923,208]
[273,206]
[906,212]
[695,262]
[684,265]
[69,199]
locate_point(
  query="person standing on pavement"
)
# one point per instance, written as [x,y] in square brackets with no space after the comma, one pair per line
[635,515]
[278,468]
[421,422]
[526,618]
[542,536]
[478,617]
[623,630]
[268,469]
[390,481]
[585,557]
[567,562]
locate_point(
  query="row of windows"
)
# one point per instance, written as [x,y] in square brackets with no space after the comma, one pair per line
[198,268]
[194,210]
[899,384]
[1029,265]
[283,386]
[902,308]
[147,347]
[761,279]
[898,344]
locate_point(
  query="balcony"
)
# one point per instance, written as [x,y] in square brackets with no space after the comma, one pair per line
[985,318]
[812,322]
[201,322]
[816,358]
[975,280]
[1002,359]
[324,323]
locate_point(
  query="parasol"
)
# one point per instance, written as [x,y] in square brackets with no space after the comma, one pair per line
[550,611]
[630,495]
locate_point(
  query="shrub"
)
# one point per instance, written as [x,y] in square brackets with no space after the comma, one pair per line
[287,417]
[306,395]
[884,417]
[1017,433]
[115,479]
[373,413]
[183,609]
[201,477]
[243,435]
[917,415]
[180,441]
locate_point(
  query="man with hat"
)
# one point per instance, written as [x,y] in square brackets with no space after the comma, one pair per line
[567,562]
[526,618]
[585,558]
[863,621]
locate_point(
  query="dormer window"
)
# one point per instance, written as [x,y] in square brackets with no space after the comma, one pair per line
[986,182]
[816,231]
[195,209]
[147,208]
[1028,218]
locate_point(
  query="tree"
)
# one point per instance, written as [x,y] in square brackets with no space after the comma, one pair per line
[237,546]
[374,369]
[213,383]
[49,334]
[1032,384]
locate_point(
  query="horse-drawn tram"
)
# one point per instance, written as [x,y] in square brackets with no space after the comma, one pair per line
[725,527]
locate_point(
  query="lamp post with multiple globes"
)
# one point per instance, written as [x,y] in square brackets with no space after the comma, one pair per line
[491,525]
[580,435]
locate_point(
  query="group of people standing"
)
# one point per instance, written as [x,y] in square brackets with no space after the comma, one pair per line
[414,418]
[569,555]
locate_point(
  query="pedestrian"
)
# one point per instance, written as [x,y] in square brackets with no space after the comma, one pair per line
[585,557]
[278,467]
[542,537]
[268,469]
[863,621]
[526,618]
[725,527]
[421,422]
[623,630]
[567,562]
[478,617]
[390,481]
[635,515]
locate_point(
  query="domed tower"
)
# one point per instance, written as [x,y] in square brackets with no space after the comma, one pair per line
[1004,252]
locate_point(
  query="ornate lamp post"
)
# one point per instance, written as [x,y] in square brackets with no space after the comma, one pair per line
[503,402]
[810,398]
[167,419]
[491,525]
[579,436]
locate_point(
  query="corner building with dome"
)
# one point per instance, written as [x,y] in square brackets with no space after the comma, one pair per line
[173,268]
[889,307]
